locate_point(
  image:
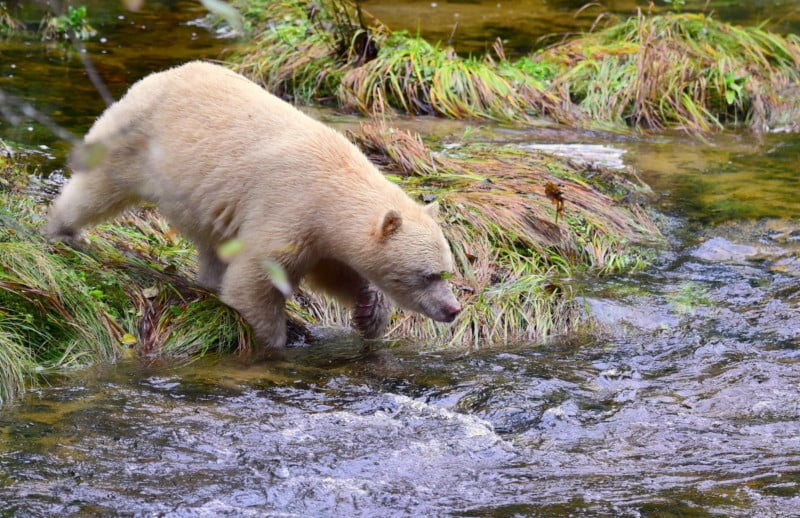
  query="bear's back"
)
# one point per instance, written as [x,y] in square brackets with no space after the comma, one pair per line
[203,97]
[208,146]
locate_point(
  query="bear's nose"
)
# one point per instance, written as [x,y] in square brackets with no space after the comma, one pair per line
[452,311]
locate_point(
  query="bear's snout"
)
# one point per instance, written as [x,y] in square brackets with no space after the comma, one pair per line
[451,312]
[447,311]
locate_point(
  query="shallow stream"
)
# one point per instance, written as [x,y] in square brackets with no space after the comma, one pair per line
[684,401]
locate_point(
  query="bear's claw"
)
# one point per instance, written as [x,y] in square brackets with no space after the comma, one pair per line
[78,241]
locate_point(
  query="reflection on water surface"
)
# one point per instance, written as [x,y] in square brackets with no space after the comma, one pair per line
[472,26]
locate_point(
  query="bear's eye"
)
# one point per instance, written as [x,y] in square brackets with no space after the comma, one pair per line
[432,277]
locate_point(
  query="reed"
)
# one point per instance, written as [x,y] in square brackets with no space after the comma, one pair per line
[8,24]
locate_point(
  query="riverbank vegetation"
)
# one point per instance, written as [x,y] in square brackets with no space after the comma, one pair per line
[526,227]
[522,225]
[674,70]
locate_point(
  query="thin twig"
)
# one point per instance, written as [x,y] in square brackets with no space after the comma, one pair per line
[7,104]
[91,71]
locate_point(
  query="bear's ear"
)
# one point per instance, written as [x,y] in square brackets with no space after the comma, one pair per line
[432,209]
[392,221]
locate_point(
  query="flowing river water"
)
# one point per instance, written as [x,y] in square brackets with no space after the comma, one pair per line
[684,401]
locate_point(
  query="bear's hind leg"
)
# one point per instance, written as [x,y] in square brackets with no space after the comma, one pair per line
[87,199]
[246,288]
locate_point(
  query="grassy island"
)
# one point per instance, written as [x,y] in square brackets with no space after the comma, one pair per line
[674,70]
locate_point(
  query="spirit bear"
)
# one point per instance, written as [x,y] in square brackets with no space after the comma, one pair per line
[224,160]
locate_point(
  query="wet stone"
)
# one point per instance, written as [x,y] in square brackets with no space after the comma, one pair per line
[720,249]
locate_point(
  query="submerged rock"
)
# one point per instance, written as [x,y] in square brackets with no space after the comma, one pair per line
[719,249]
[606,156]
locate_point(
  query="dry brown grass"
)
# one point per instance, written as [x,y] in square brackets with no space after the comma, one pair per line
[515,260]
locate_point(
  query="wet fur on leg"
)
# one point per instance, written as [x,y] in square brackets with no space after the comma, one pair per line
[372,312]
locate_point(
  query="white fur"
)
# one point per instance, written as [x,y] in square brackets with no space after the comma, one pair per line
[223,159]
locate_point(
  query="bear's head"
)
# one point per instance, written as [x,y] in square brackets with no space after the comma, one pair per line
[413,262]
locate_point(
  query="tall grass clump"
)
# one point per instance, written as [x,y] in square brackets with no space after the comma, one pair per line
[326,51]
[16,363]
[515,257]
[8,24]
[171,315]
[651,72]
[687,71]
[129,293]
[416,77]
[297,51]
[51,314]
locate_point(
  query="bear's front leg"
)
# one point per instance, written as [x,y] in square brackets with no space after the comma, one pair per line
[89,198]
[247,289]
[371,313]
